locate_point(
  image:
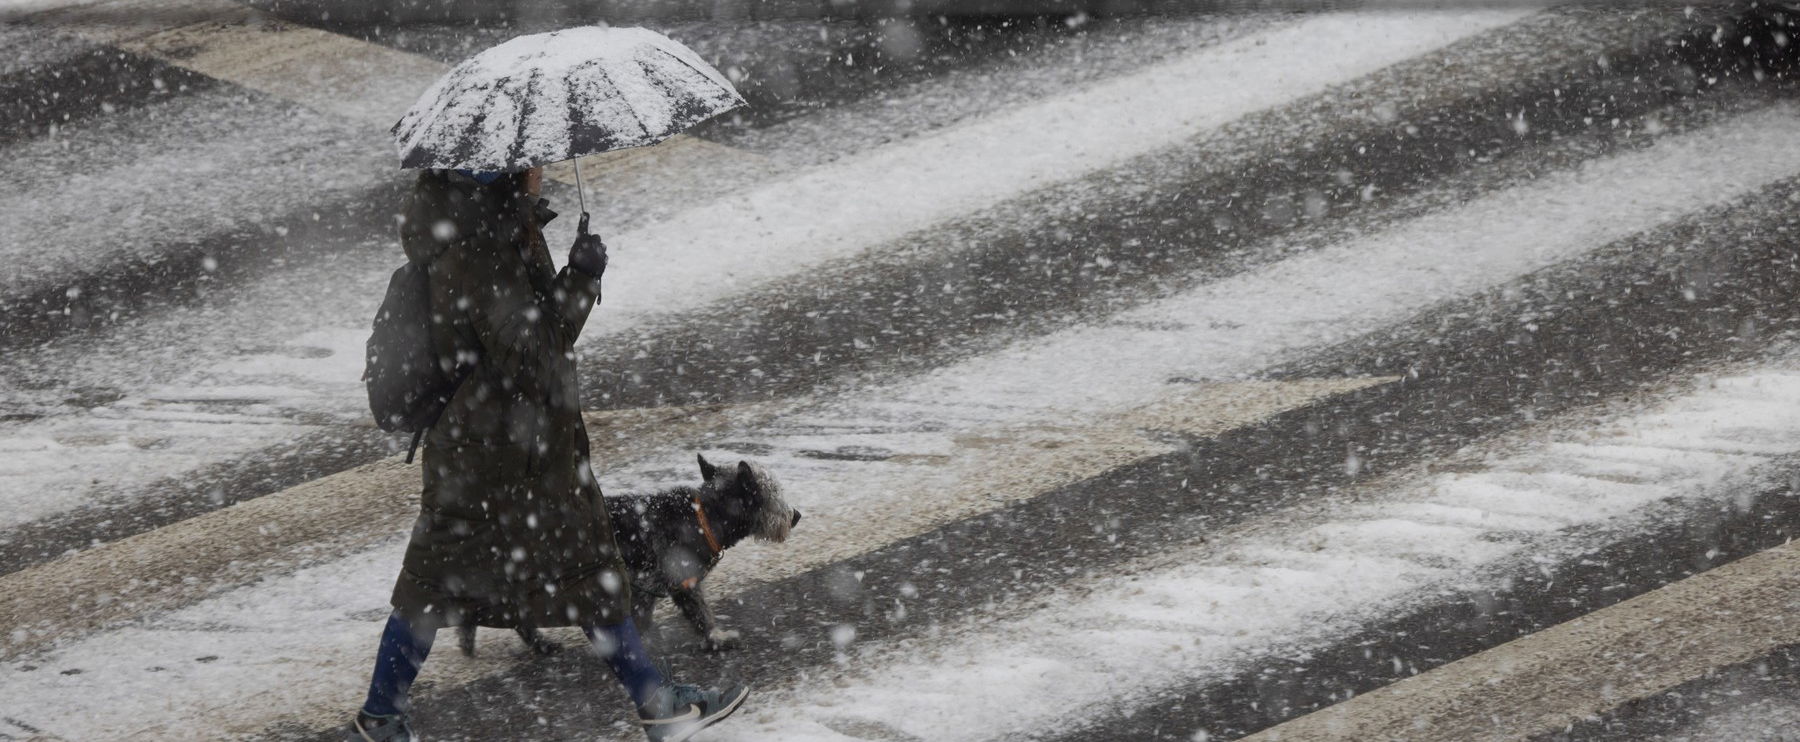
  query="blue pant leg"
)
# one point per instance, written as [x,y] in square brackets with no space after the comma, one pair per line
[623,649]
[397,661]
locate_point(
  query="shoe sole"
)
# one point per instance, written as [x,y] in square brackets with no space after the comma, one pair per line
[708,721]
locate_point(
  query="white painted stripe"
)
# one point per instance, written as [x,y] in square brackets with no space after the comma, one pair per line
[322,634]
[1237,326]
[1255,319]
[1765,710]
[780,229]
[1548,680]
[928,480]
[345,512]
[841,210]
[916,423]
[358,81]
[1296,580]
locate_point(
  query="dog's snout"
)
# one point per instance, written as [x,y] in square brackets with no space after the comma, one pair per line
[796,520]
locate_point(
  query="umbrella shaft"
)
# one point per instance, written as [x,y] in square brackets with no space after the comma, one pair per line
[580,189]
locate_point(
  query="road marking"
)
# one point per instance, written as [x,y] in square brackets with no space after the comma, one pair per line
[352,510]
[990,469]
[1221,330]
[891,186]
[1297,580]
[1576,670]
[311,693]
[841,209]
[1236,325]
[337,514]
[326,72]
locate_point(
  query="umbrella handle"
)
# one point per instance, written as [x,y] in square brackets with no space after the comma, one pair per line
[580,190]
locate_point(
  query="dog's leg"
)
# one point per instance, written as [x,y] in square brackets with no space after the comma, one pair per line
[643,611]
[465,639]
[693,605]
[537,642]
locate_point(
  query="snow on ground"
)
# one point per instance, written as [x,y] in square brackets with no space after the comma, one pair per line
[1223,330]
[1761,714]
[193,389]
[844,208]
[833,211]
[1090,651]
[1237,326]
[122,186]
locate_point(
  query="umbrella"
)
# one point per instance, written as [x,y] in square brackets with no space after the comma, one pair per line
[558,96]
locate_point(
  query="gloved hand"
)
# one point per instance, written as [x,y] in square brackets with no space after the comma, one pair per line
[588,254]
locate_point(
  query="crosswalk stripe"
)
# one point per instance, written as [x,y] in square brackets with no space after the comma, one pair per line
[327,72]
[785,227]
[350,510]
[991,469]
[1555,677]
[1107,443]
[842,209]
[1222,329]
[1293,581]
[348,503]
[340,513]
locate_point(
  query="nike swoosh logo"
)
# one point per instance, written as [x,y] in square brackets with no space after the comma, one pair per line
[693,713]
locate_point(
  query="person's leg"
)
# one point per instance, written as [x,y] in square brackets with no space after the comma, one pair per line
[623,649]
[669,712]
[397,661]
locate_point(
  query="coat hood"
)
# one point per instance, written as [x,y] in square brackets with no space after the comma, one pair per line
[446,209]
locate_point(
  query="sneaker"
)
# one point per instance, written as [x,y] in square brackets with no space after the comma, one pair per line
[371,728]
[677,712]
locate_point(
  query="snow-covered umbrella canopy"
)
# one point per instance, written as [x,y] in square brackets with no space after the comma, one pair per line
[556,96]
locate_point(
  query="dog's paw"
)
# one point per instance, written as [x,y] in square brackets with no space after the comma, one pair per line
[719,640]
[544,647]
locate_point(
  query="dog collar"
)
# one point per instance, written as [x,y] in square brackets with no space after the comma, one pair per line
[706,528]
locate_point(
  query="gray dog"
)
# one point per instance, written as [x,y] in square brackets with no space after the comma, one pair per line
[672,539]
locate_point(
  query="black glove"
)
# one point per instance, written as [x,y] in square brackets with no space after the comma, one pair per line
[588,254]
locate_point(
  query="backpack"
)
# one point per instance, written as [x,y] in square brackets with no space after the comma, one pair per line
[409,385]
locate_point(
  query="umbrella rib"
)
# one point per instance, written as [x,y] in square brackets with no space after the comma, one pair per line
[448,132]
[601,68]
[481,115]
[527,106]
[700,112]
[734,93]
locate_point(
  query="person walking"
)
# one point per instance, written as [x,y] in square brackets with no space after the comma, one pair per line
[508,532]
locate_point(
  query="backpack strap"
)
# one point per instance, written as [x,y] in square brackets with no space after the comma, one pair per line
[419,435]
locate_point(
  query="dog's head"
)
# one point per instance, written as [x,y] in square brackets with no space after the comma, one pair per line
[748,494]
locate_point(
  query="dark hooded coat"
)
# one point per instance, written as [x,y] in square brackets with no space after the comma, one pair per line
[509,531]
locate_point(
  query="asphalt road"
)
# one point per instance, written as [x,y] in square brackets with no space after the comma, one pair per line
[827,367]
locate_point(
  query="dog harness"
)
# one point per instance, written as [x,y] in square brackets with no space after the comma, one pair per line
[712,542]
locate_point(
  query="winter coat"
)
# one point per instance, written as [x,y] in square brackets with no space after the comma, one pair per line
[508,530]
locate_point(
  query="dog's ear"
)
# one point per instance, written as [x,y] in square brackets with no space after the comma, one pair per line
[747,479]
[707,470]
